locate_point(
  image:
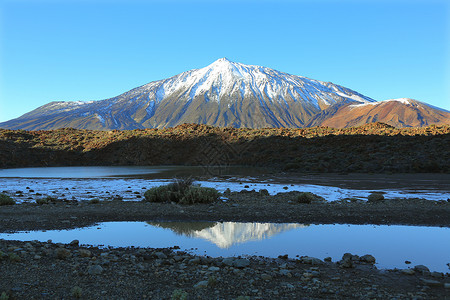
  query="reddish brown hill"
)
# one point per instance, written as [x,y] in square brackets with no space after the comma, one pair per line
[396,112]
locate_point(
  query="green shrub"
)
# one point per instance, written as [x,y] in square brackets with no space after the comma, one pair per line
[264,192]
[6,200]
[199,195]
[179,295]
[77,292]
[308,197]
[14,257]
[46,200]
[161,194]
[94,201]
[181,191]
[4,296]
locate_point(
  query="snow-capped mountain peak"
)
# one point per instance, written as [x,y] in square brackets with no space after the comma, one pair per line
[224,93]
[223,78]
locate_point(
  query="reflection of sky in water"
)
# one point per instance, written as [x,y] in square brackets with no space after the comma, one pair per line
[104,188]
[391,245]
[78,172]
[79,182]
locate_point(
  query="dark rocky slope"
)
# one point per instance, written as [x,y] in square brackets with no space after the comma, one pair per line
[370,148]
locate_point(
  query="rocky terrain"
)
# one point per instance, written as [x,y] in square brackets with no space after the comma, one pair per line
[399,113]
[36,270]
[370,148]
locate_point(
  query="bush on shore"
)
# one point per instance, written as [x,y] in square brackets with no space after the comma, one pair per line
[308,198]
[6,200]
[375,197]
[46,200]
[181,191]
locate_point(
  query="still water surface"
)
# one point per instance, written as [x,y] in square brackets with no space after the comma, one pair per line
[83,183]
[391,245]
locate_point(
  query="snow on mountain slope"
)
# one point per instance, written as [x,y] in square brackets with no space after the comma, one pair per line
[227,234]
[224,93]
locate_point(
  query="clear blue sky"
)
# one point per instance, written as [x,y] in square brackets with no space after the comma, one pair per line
[93,50]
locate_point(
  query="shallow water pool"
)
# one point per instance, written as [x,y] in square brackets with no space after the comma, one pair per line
[391,245]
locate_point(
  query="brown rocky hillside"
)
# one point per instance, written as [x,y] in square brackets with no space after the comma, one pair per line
[370,148]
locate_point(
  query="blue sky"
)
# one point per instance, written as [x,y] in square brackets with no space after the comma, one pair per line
[93,50]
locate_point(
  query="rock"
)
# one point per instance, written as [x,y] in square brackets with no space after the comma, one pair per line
[85,253]
[422,269]
[431,282]
[266,277]
[447,285]
[408,271]
[195,261]
[201,285]
[178,258]
[74,243]
[327,259]
[95,270]
[228,261]
[367,259]
[285,272]
[241,263]
[349,256]
[213,269]
[437,274]
[62,253]
[311,260]
[160,255]
[346,264]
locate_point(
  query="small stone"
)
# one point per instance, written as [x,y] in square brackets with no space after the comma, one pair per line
[160,255]
[95,270]
[241,263]
[437,274]
[311,260]
[408,271]
[335,278]
[367,259]
[85,253]
[431,282]
[62,253]
[346,264]
[213,269]
[74,243]
[447,285]
[195,261]
[266,276]
[201,285]
[229,261]
[285,272]
[422,269]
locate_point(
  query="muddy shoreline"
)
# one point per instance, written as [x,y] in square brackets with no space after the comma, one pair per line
[240,207]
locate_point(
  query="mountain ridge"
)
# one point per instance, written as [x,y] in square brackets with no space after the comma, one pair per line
[222,94]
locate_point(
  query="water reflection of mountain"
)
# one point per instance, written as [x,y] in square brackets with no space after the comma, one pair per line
[227,234]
